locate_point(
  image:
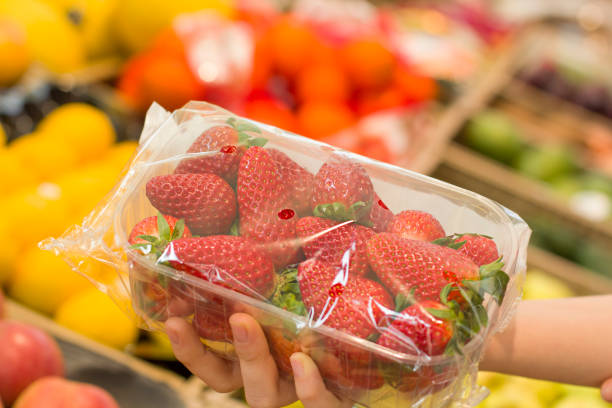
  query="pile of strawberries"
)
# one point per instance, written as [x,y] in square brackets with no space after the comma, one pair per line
[324,246]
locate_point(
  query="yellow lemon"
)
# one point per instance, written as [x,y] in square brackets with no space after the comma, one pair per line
[14,57]
[8,252]
[87,129]
[92,18]
[84,189]
[35,213]
[95,315]
[120,154]
[51,37]
[15,174]
[46,157]
[136,22]
[539,285]
[43,280]
[3,137]
[296,404]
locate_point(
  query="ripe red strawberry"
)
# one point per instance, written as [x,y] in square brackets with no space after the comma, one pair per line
[282,345]
[152,235]
[329,241]
[404,265]
[356,306]
[416,225]
[480,249]
[212,324]
[416,327]
[223,140]
[350,304]
[342,190]
[150,227]
[205,201]
[228,261]
[299,181]
[266,216]
[380,215]
[225,145]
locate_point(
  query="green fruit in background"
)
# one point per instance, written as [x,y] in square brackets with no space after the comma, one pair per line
[546,162]
[596,182]
[595,258]
[548,234]
[493,134]
[566,185]
[539,285]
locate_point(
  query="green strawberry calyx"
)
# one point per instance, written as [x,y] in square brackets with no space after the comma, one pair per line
[467,320]
[454,241]
[245,130]
[287,294]
[493,280]
[156,245]
[339,211]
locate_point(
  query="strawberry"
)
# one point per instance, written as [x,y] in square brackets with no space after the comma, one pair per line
[416,225]
[329,241]
[416,327]
[380,215]
[206,201]
[152,235]
[298,179]
[266,216]
[407,266]
[282,345]
[350,304]
[212,324]
[161,228]
[227,145]
[479,248]
[342,190]
[228,261]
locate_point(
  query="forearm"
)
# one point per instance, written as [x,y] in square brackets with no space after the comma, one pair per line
[565,340]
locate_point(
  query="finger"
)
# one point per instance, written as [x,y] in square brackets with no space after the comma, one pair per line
[262,387]
[219,374]
[606,390]
[309,385]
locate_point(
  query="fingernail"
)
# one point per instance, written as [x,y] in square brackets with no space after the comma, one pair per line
[241,334]
[172,335]
[297,366]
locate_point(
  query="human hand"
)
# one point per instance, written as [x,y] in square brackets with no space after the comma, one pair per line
[606,390]
[256,370]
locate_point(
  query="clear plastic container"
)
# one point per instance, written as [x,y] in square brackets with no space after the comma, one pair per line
[206,290]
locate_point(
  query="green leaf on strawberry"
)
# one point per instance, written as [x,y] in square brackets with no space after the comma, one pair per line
[156,244]
[244,128]
[287,293]
[339,212]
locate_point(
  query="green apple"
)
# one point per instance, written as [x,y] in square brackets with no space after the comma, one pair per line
[493,134]
[546,163]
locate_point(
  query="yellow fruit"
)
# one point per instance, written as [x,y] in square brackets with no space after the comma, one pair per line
[14,57]
[491,380]
[158,347]
[136,22]
[3,137]
[539,285]
[43,280]
[296,404]
[8,252]
[92,18]
[120,154]
[15,174]
[86,128]
[35,213]
[95,315]
[45,157]
[511,396]
[546,392]
[51,37]
[83,189]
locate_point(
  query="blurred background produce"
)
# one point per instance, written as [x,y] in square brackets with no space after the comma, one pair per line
[385,79]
